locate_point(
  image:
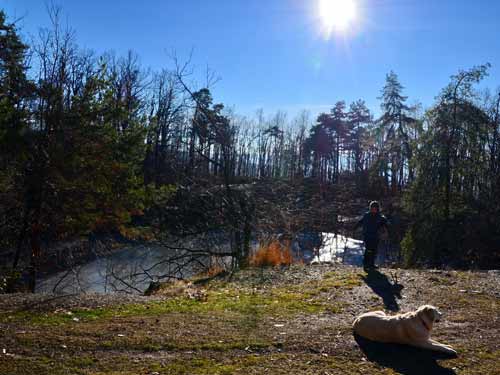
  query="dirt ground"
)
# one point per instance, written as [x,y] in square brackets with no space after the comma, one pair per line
[258,321]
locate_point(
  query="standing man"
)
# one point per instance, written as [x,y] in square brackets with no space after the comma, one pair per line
[372,222]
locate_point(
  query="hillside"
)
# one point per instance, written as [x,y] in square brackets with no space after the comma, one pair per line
[290,321]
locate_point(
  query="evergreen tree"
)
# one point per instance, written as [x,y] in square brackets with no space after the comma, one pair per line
[448,201]
[393,126]
[358,117]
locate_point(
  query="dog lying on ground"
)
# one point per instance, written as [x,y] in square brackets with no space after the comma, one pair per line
[412,328]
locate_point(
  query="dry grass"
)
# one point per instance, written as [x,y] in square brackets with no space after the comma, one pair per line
[262,321]
[273,253]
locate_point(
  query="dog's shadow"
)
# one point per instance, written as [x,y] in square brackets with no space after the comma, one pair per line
[404,359]
[381,285]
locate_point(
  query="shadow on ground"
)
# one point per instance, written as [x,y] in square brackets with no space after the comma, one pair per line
[404,359]
[381,285]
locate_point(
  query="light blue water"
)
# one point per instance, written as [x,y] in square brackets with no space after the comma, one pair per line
[133,268]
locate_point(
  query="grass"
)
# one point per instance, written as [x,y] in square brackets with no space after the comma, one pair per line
[279,301]
[246,326]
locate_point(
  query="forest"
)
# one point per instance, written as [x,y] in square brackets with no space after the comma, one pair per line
[95,145]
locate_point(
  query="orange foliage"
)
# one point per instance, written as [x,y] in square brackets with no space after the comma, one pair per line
[272,254]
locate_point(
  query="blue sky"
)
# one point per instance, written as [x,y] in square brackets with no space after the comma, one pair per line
[271,54]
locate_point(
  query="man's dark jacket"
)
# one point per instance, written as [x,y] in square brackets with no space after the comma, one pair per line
[371,225]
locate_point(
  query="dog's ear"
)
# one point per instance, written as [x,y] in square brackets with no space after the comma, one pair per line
[430,312]
[424,311]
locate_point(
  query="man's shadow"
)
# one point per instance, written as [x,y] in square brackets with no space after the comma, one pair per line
[404,359]
[381,285]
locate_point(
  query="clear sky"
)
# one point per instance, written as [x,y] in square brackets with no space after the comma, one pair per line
[272,54]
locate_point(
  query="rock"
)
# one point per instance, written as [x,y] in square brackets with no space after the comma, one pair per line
[153,287]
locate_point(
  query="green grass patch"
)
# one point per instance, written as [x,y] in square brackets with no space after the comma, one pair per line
[199,366]
[245,301]
[144,344]
[37,366]
[331,282]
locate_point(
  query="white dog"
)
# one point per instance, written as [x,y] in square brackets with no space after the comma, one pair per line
[412,328]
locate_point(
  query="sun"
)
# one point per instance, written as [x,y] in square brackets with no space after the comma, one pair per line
[337,15]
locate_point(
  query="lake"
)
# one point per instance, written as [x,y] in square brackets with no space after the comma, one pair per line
[132,268]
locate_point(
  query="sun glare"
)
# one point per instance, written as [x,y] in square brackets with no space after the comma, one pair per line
[337,15]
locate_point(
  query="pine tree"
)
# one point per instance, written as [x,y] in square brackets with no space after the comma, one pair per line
[393,124]
[358,116]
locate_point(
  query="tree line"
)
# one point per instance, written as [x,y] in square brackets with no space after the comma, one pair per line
[88,142]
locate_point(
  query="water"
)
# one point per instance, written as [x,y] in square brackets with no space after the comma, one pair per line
[128,270]
[132,269]
[336,248]
[339,249]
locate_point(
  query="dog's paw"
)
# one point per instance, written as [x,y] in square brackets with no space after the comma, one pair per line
[450,353]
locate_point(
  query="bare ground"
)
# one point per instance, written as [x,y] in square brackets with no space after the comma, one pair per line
[261,321]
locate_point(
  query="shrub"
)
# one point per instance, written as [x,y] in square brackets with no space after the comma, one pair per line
[272,254]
